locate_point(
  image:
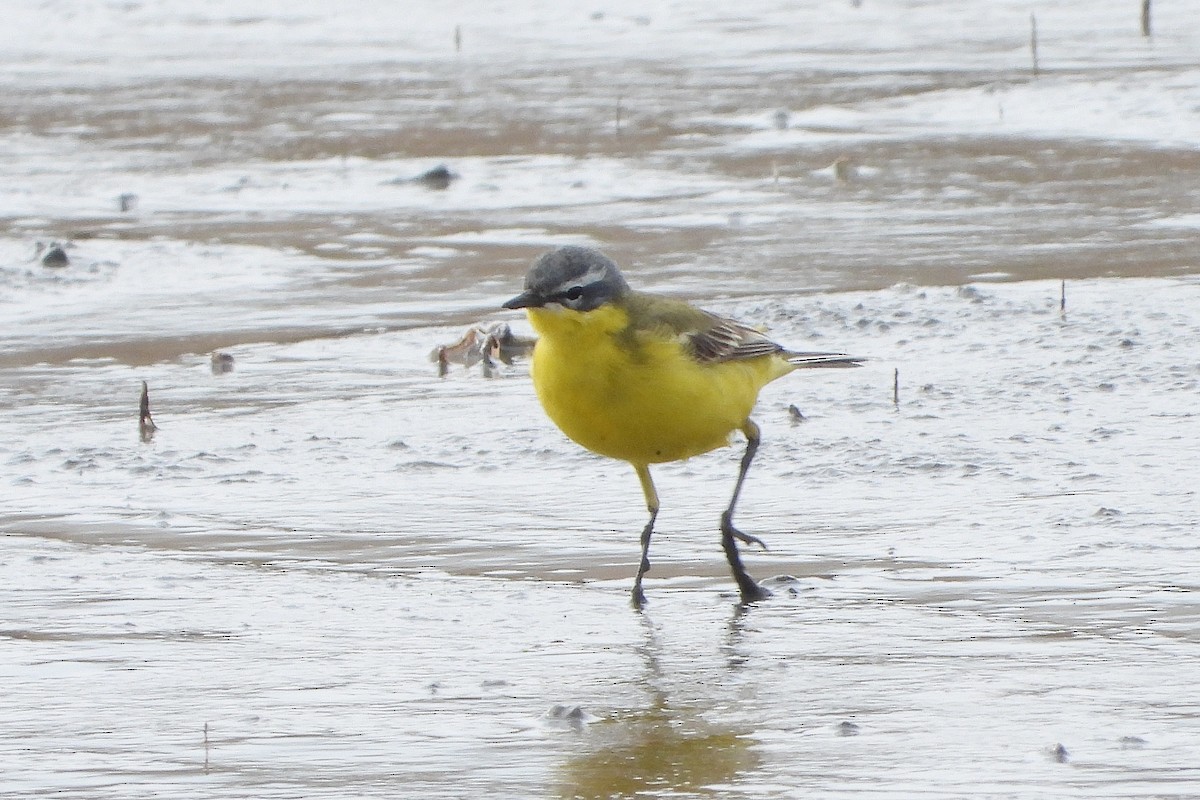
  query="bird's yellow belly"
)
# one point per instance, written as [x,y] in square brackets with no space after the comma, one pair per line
[644,405]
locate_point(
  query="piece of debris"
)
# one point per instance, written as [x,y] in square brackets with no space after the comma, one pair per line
[55,256]
[236,186]
[437,178]
[440,177]
[221,363]
[569,716]
[127,201]
[845,169]
[842,170]
[146,426]
[482,343]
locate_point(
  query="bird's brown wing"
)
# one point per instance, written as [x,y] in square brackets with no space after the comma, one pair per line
[707,337]
[729,340]
[712,339]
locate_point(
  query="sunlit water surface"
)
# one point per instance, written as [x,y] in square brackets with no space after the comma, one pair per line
[331,573]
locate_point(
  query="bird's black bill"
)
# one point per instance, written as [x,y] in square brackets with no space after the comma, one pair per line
[523,300]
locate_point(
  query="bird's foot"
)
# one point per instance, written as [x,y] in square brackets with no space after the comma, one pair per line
[748,539]
[638,599]
[751,591]
[727,528]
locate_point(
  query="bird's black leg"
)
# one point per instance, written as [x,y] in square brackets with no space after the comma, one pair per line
[749,589]
[643,472]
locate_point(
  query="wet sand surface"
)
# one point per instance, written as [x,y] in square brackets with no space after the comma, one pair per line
[331,573]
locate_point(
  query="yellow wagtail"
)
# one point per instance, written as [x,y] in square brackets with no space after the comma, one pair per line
[649,379]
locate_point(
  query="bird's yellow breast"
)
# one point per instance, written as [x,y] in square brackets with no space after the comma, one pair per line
[638,394]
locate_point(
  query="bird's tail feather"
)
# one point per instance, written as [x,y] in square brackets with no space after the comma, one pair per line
[811,360]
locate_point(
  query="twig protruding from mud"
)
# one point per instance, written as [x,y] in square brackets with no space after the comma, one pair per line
[146,426]
[1033,42]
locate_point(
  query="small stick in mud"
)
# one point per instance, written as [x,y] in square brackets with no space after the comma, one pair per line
[146,426]
[1062,299]
[896,387]
[1146,18]
[458,38]
[206,747]
[1033,42]
[618,115]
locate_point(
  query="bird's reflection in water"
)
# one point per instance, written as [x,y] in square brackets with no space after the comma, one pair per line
[663,746]
[734,649]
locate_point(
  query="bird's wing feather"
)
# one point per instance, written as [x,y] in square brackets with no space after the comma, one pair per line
[729,340]
[712,339]
[707,337]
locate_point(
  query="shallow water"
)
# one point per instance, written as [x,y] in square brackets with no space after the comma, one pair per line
[332,574]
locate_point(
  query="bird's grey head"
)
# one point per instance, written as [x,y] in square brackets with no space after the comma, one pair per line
[578,278]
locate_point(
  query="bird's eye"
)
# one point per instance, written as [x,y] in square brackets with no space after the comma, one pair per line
[574,293]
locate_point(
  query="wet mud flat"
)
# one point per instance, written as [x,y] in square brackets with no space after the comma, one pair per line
[985,587]
[698,142]
[331,573]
